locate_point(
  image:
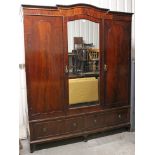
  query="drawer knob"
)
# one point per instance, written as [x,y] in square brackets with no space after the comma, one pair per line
[95,120]
[44,129]
[74,124]
[119,116]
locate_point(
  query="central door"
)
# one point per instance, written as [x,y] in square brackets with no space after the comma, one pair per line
[84,62]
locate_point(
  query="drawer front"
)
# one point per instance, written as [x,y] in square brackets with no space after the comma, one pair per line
[56,127]
[117,117]
[73,125]
[105,119]
[46,129]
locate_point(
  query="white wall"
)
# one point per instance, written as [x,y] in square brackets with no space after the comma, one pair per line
[115,5]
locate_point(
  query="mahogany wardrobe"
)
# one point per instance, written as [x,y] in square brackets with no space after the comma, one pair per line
[78,64]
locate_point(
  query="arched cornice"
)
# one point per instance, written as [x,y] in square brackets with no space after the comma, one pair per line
[81,5]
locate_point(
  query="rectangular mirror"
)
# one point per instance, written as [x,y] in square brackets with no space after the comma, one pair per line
[83,65]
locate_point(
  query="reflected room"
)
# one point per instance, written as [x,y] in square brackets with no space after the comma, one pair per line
[83,65]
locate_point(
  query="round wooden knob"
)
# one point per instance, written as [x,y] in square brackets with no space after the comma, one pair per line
[95,120]
[44,129]
[119,116]
[74,124]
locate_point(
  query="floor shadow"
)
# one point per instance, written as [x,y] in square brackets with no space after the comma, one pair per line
[77,139]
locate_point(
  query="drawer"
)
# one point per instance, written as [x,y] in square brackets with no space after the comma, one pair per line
[56,127]
[73,125]
[106,119]
[117,117]
[46,129]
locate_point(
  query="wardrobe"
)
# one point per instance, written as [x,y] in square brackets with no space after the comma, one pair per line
[78,68]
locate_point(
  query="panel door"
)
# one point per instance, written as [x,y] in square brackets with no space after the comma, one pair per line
[117,47]
[44,64]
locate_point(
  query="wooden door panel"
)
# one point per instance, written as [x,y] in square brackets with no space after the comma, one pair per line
[117,57]
[44,64]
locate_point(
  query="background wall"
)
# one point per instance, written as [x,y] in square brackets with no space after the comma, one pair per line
[115,5]
[83,28]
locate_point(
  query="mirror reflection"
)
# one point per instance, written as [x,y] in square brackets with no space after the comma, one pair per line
[83,57]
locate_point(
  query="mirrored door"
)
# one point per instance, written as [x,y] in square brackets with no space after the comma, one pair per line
[83,62]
